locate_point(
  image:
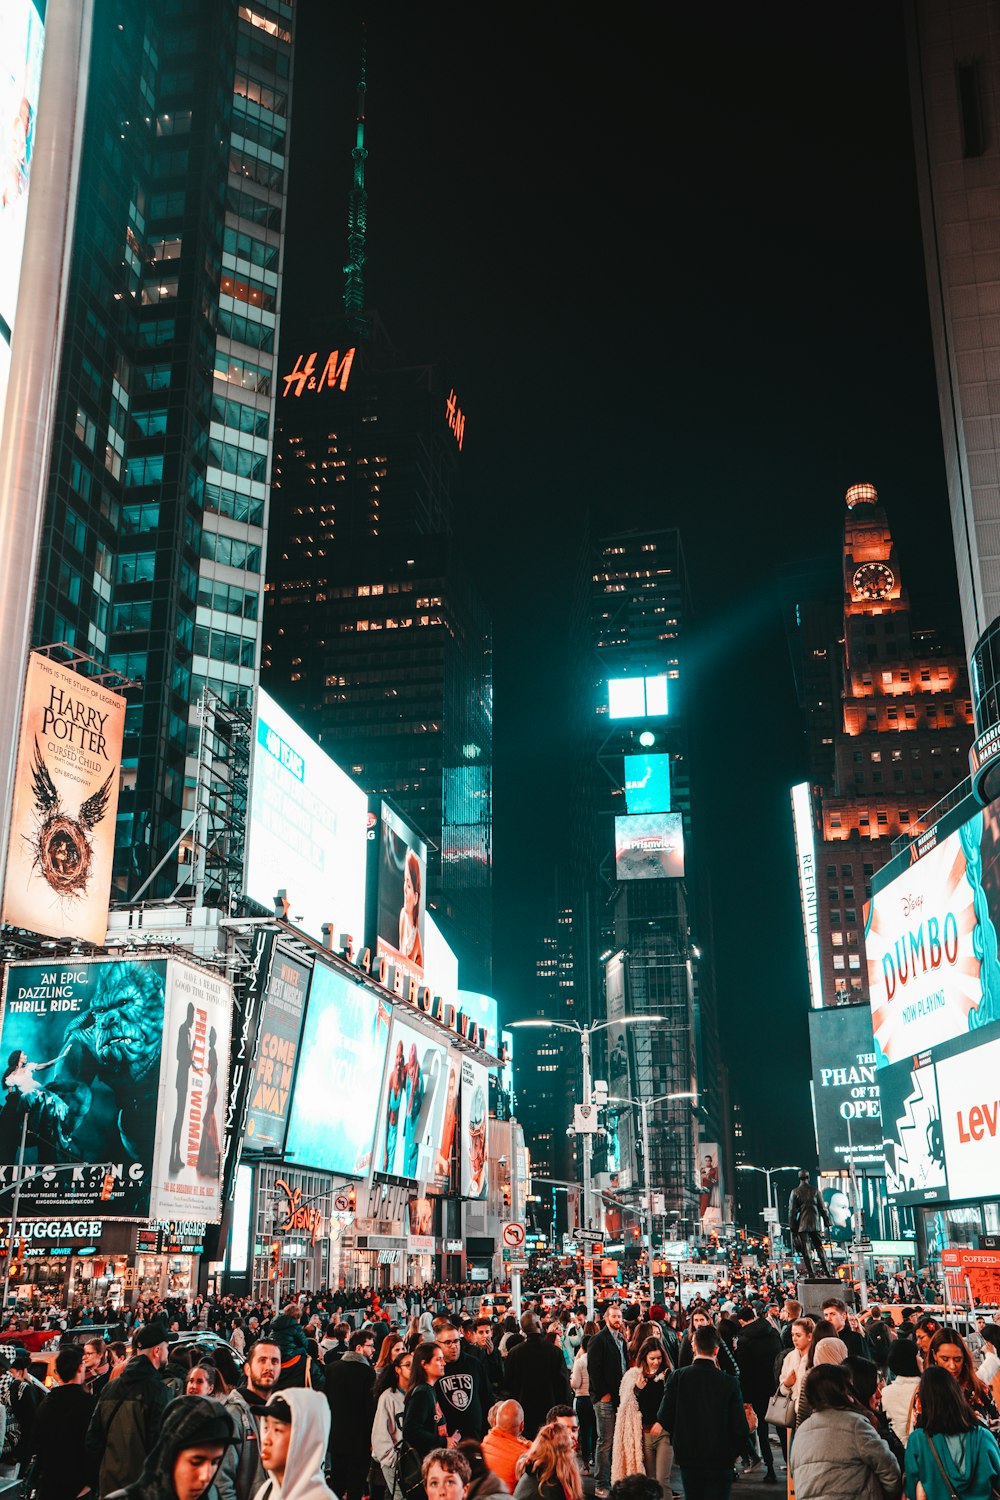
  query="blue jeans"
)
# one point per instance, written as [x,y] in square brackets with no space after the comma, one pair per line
[707,1484]
[605,1413]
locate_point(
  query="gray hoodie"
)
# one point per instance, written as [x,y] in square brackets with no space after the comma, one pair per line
[303,1478]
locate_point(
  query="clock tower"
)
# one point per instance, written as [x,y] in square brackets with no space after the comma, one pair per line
[875,604]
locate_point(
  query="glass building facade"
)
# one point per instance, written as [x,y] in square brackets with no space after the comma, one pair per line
[156,512]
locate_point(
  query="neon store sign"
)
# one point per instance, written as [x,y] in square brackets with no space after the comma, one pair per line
[336,372]
[455,417]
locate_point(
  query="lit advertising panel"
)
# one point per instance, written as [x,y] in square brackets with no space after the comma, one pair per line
[306,829]
[647,783]
[837,1198]
[649,846]
[341,1062]
[62,834]
[805,853]
[88,1034]
[932,944]
[277,1050]
[637,697]
[194,1074]
[440,962]
[969,1095]
[418,1114]
[845,1088]
[475,1123]
[483,1010]
[22,36]
[400,884]
[911,1125]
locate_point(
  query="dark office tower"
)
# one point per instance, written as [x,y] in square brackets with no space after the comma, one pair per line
[894,746]
[157,502]
[656,924]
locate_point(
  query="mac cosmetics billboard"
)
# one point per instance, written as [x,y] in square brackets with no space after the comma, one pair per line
[398,885]
[341,1063]
[306,829]
[649,846]
[845,1088]
[62,838]
[931,941]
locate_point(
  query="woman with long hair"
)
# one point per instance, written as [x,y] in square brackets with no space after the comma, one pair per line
[392,1344]
[423,1424]
[639,1335]
[949,1351]
[949,1451]
[391,1386]
[579,1379]
[550,1468]
[640,1445]
[838,1451]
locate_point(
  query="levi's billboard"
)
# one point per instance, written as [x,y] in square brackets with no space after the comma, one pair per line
[931,943]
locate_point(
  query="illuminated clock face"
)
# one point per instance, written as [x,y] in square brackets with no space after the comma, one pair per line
[874,580]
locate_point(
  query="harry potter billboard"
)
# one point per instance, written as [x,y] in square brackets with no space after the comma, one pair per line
[62,838]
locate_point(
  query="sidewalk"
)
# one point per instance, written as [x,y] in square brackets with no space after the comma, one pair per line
[744,1482]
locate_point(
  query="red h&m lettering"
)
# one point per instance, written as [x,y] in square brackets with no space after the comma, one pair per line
[196,1103]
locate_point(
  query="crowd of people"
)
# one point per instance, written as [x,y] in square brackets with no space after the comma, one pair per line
[433,1394]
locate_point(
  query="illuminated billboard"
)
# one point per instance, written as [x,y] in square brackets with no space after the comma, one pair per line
[398,876]
[483,1010]
[911,1123]
[647,783]
[306,829]
[418,1114]
[969,1096]
[931,942]
[475,1123]
[341,1062]
[277,1051]
[637,697]
[62,835]
[805,853]
[845,1088]
[194,1075]
[649,846]
[22,36]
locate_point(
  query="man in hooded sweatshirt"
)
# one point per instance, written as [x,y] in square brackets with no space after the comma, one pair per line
[295,1430]
[185,1459]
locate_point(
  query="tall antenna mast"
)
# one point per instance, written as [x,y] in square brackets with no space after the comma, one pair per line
[357,211]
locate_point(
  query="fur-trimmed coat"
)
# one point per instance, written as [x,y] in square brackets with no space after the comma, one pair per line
[627,1456]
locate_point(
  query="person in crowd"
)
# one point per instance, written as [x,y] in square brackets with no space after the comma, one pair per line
[899,1396]
[334,1346]
[757,1348]
[482,1480]
[825,1351]
[184,1461]
[867,1383]
[446,1475]
[535,1374]
[503,1445]
[387,1426]
[949,1453]
[61,1467]
[295,1434]
[423,1424]
[392,1345]
[989,1366]
[640,1444]
[838,1453]
[288,1333]
[700,1318]
[579,1380]
[703,1415]
[607,1361]
[96,1366]
[126,1422]
[927,1327]
[261,1374]
[948,1349]
[461,1390]
[550,1470]
[835,1312]
[490,1356]
[202,1380]
[789,1312]
[240,1474]
[795,1364]
[350,1383]
[637,1487]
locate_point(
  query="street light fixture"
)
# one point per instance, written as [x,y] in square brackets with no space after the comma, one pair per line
[644,1106]
[585,1033]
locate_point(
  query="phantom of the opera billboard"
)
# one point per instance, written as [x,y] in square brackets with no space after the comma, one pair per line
[115,1080]
[931,940]
[845,1088]
[62,834]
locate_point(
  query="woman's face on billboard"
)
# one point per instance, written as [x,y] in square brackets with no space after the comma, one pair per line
[409,894]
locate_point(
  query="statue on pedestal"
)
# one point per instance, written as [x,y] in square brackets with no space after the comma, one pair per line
[807,1216]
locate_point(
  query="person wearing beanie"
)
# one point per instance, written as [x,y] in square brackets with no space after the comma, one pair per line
[183,1462]
[126,1424]
[295,1430]
[897,1396]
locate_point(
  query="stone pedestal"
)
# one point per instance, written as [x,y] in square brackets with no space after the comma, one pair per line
[813,1293]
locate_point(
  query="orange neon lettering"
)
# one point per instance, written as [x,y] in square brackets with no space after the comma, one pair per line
[335,371]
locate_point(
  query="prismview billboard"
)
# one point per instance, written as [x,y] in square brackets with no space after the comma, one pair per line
[649,846]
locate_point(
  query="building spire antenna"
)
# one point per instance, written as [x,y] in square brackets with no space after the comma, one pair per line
[357,210]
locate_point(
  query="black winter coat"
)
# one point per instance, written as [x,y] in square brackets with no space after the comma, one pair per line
[537,1377]
[349,1385]
[756,1348]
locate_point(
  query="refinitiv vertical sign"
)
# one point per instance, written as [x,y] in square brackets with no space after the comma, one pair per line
[805,850]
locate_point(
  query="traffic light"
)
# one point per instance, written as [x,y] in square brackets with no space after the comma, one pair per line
[275,1259]
[352,1199]
[17,1260]
[106,1187]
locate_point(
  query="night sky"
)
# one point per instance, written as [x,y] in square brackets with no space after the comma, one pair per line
[671,260]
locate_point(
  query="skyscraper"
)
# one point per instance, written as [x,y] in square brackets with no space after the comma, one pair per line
[156,512]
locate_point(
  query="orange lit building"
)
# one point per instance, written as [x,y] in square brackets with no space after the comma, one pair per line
[894,704]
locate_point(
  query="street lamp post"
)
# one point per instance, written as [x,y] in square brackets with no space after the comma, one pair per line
[585,1033]
[644,1106]
[768,1172]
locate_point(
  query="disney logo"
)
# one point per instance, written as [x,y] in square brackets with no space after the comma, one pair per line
[297,1214]
[912,904]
